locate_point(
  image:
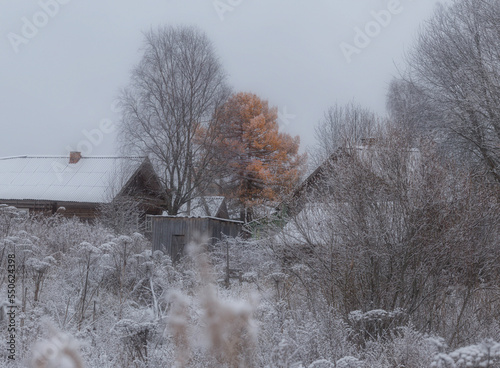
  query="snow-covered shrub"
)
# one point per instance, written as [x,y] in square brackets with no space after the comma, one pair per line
[285,355]
[373,324]
[405,347]
[135,336]
[10,219]
[483,355]
[122,215]
[389,226]
[308,336]
[349,362]
[252,257]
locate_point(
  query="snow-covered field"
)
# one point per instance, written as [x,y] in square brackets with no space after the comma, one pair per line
[86,297]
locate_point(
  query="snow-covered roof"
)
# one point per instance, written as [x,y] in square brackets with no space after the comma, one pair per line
[165,216]
[203,206]
[53,178]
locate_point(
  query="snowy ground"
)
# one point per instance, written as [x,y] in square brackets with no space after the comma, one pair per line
[85,297]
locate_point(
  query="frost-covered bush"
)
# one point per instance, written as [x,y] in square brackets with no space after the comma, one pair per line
[405,347]
[391,225]
[307,336]
[10,219]
[373,324]
[349,362]
[483,355]
[254,258]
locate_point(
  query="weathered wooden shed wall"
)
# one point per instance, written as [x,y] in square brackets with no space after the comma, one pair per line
[171,233]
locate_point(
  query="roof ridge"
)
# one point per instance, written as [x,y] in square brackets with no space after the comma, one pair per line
[67,157]
[11,157]
[112,157]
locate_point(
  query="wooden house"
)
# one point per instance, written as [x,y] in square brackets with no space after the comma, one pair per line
[316,185]
[172,233]
[76,185]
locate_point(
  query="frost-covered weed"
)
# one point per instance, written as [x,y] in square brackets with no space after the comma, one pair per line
[61,350]
[10,219]
[226,326]
[485,354]
[131,307]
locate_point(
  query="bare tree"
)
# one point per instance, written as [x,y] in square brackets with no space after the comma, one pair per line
[122,215]
[342,126]
[169,110]
[456,64]
[411,109]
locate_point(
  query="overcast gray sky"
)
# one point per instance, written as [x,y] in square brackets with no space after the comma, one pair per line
[63,62]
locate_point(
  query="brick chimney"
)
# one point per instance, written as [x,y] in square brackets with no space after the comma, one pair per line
[74,157]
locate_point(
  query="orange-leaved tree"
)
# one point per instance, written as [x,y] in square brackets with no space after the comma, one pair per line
[262,164]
